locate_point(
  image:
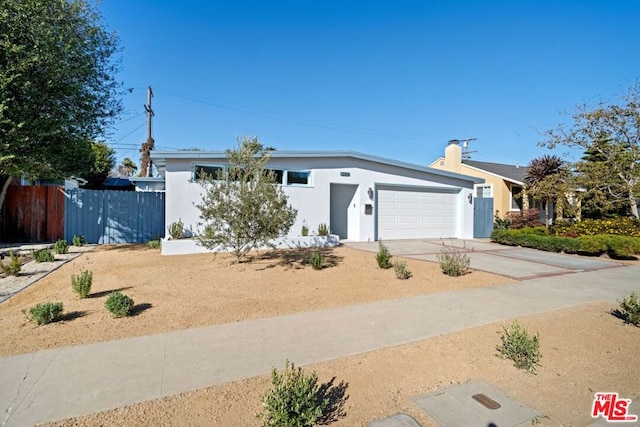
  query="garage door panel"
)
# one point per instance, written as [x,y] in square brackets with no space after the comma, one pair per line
[413,213]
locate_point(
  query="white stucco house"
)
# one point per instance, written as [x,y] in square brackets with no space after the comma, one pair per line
[359,196]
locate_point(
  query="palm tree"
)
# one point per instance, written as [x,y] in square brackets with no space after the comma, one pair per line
[544,180]
[127,167]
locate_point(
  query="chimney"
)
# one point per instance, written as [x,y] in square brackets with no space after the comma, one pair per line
[453,156]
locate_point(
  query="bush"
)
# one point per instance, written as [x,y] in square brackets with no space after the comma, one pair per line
[525,218]
[383,257]
[13,267]
[630,309]
[453,261]
[316,260]
[61,247]
[402,272]
[176,229]
[623,226]
[592,245]
[294,400]
[43,255]
[78,240]
[153,244]
[323,230]
[118,304]
[305,230]
[81,284]
[520,346]
[45,312]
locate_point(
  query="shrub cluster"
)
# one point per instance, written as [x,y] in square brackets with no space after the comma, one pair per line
[153,244]
[45,312]
[81,284]
[61,247]
[118,304]
[323,229]
[305,230]
[176,229]
[295,399]
[316,260]
[383,257]
[402,272]
[630,309]
[43,255]
[623,226]
[538,238]
[78,240]
[13,267]
[515,220]
[453,261]
[520,346]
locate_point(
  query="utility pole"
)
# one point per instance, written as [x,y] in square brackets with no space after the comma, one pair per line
[145,160]
[466,154]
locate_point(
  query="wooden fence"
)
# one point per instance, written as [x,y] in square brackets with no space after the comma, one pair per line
[32,214]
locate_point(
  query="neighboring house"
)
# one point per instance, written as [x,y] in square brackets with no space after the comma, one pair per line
[144,183]
[503,183]
[360,197]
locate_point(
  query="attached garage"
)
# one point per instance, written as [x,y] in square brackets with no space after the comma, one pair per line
[407,212]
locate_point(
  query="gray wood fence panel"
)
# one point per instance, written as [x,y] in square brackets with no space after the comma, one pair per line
[105,216]
[482,217]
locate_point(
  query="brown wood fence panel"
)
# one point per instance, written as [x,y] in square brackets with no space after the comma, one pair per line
[33,214]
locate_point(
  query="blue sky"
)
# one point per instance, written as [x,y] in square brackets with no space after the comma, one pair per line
[396,79]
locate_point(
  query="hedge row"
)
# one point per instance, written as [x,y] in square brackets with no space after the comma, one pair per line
[624,226]
[538,238]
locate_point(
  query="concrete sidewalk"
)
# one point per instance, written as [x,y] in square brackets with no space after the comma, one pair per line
[61,383]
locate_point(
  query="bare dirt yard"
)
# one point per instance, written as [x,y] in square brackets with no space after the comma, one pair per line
[584,349]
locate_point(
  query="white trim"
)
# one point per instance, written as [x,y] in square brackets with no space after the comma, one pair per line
[511,208]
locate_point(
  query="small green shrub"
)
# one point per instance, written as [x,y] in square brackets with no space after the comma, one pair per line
[81,284]
[176,229]
[294,400]
[153,244]
[593,245]
[323,230]
[78,240]
[630,309]
[43,255]
[453,261]
[520,346]
[118,304]
[316,259]
[305,230]
[45,312]
[383,257]
[402,272]
[13,267]
[61,247]
[622,246]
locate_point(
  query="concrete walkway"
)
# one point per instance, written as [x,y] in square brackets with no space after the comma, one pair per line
[66,382]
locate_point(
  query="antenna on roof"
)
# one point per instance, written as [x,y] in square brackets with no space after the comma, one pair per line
[466,154]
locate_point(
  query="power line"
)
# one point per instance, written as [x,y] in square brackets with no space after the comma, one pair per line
[142,124]
[297,120]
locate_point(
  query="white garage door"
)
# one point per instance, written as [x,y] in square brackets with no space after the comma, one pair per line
[410,213]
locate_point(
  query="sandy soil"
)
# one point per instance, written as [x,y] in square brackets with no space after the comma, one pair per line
[179,292]
[584,350]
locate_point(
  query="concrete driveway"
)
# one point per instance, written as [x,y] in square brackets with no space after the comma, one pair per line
[515,262]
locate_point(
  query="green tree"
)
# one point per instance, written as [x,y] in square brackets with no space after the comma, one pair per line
[57,87]
[127,168]
[546,181]
[103,160]
[242,207]
[609,134]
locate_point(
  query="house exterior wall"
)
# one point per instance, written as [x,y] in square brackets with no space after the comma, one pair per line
[313,201]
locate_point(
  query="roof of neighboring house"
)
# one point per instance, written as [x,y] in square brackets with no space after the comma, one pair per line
[510,172]
[160,160]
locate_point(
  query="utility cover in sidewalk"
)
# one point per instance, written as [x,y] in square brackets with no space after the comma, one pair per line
[474,403]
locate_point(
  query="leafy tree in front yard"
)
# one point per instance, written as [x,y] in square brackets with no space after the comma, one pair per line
[546,181]
[57,87]
[610,134]
[103,161]
[242,207]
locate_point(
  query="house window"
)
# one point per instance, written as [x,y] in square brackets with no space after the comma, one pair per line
[210,170]
[516,198]
[298,178]
[484,191]
[279,175]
